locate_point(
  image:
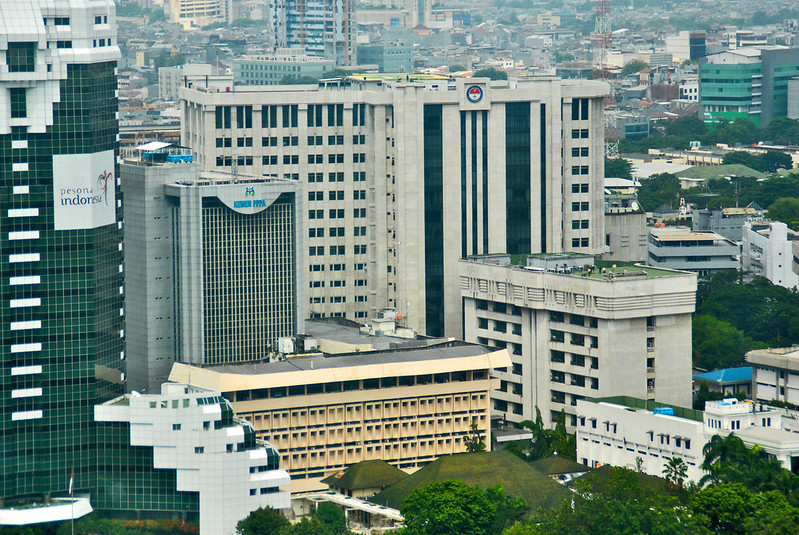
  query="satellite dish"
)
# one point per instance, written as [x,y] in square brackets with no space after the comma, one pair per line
[135,394]
[634,205]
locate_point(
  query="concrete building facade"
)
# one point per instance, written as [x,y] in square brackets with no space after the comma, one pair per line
[767,250]
[271,69]
[214,456]
[519,165]
[214,264]
[775,374]
[318,27]
[681,248]
[171,79]
[574,333]
[406,406]
[620,431]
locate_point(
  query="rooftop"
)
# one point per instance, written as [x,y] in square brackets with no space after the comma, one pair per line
[372,474]
[604,270]
[648,405]
[779,357]
[727,375]
[350,333]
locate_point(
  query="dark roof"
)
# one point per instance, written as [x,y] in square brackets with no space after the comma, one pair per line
[555,465]
[486,470]
[373,474]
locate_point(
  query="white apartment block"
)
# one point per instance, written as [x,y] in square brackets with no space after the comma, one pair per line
[767,250]
[574,333]
[193,432]
[775,374]
[625,431]
[406,175]
[405,406]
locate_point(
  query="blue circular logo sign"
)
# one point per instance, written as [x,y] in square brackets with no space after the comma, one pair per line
[474,94]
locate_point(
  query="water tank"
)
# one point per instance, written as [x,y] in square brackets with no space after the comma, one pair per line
[669,411]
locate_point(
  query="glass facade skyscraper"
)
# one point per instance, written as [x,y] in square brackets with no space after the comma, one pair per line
[61,280]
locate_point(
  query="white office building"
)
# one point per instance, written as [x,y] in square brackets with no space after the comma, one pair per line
[702,252]
[574,331]
[406,175]
[193,432]
[767,250]
[775,374]
[632,433]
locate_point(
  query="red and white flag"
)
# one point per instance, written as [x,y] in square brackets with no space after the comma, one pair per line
[71,481]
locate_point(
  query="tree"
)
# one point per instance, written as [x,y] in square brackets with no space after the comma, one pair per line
[307,526]
[494,74]
[675,472]
[335,73]
[633,67]
[718,344]
[704,394]
[774,160]
[742,158]
[448,508]
[298,80]
[618,167]
[783,130]
[333,517]
[262,521]
[729,460]
[657,190]
[474,440]
[690,125]
[456,68]
[785,209]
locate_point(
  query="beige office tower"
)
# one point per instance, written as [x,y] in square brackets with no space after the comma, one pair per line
[404,176]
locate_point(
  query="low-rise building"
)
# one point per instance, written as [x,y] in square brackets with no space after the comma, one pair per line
[775,374]
[389,57]
[727,381]
[574,330]
[270,69]
[217,465]
[767,250]
[625,221]
[681,248]
[404,406]
[642,435]
[729,222]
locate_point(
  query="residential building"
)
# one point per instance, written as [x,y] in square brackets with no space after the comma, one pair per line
[404,406]
[640,435]
[197,13]
[319,27]
[681,248]
[574,331]
[775,374]
[212,460]
[749,83]
[767,250]
[686,45]
[728,222]
[371,152]
[389,57]
[214,264]
[62,286]
[272,69]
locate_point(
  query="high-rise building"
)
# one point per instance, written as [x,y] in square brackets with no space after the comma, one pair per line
[319,27]
[574,331]
[61,290]
[405,175]
[749,83]
[213,261]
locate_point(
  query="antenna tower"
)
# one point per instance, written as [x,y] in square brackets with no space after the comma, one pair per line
[602,41]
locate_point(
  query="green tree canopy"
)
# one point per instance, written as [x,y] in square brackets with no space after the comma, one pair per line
[448,508]
[494,74]
[456,68]
[618,167]
[262,521]
[718,344]
[298,80]
[785,209]
[690,125]
[657,190]
[633,67]
[333,517]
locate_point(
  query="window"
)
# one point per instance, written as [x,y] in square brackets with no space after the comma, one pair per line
[269,141]
[20,56]
[335,158]
[318,232]
[290,113]
[269,117]
[19,106]
[244,116]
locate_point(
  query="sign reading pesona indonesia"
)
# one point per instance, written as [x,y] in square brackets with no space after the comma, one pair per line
[84,190]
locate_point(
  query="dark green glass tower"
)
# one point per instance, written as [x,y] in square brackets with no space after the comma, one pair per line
[61,279]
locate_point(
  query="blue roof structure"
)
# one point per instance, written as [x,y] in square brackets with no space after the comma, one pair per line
[727,375]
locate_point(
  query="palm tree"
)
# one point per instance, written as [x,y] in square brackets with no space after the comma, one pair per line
[675,472]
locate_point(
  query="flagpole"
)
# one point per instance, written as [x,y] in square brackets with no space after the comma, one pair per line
[72,501]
